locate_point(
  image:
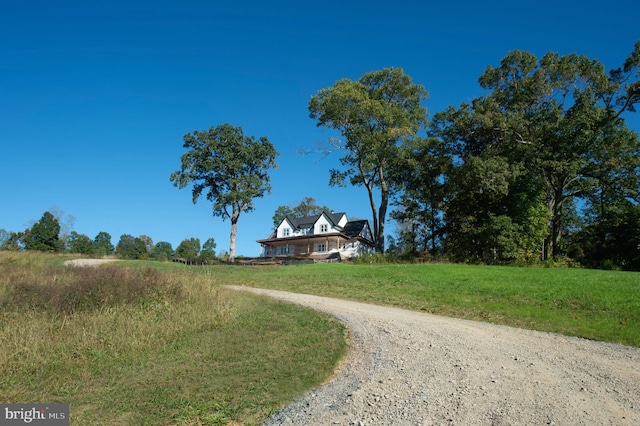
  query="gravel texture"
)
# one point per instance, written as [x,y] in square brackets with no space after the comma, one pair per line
[411,368]
[88,262]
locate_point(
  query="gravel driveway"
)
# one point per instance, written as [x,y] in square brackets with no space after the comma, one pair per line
[88,262]
[411,368]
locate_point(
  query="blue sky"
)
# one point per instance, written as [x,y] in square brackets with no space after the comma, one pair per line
[95,97]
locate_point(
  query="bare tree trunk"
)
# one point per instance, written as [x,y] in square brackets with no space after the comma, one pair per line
[382,213]
[232,244]
[555,206]
[374,211]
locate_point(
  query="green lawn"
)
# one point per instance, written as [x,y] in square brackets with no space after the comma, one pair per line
[600,305]
[160,343]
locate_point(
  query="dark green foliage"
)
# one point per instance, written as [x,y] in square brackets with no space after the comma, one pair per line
[80,243]
[148,245]
[44,234]
[280,213]
[102,244]
[230,168]
[131,248]
[373,115]
[14,241]
[162,251]
[549,135]
[208,252]
[307,207]
[189,249]
[610,240]
[420,176]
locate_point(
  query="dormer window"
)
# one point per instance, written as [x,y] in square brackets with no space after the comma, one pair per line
[285,232]
[324,227]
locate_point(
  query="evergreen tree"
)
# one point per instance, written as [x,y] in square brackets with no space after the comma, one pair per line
[44,234]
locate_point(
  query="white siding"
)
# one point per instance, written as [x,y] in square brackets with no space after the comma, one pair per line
[366,233]
[354,248]
[317,227]
[285,230]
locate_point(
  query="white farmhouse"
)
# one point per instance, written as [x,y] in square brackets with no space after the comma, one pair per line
[321,236]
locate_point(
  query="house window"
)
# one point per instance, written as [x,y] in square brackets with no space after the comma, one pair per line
[283,250]
[285,232]
[324,227]
[322,247]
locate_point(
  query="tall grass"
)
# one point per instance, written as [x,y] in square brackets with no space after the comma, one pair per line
[144,346]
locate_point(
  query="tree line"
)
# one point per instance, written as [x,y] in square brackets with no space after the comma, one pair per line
[48,235]
[541,168]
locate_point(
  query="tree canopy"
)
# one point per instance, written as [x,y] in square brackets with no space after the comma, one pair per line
[162,251]
[548,136]
[102,244]
[307,207]
[80,243]
[130,247]
[373,115]
[233,170]
[542,166]
[189,249]
[44,234]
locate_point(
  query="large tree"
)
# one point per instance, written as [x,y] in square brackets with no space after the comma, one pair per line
[44,235]
[373,116]
[208,252]
[231,167]
[556,124]
[189,249]
[130,247]
[79,243]
[420,176]
[162,251]
[102,245]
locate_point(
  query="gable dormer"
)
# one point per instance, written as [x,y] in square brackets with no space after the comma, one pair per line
[322,225]
[285,229]
[340,219]
[329,222]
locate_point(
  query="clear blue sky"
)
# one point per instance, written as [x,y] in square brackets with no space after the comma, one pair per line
[96,96]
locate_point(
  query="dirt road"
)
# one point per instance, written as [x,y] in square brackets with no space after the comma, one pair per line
[410,368]
[88,262]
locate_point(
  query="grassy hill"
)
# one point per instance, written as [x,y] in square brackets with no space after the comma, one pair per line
[151,346]
[161,343]
[594,304]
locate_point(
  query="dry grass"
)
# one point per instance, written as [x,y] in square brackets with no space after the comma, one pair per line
[142,346]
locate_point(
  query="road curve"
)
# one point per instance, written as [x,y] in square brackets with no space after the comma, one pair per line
[411,368]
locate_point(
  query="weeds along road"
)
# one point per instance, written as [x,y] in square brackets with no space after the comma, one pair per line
[411,368]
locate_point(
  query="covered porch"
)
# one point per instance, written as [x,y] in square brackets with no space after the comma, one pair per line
[303,246]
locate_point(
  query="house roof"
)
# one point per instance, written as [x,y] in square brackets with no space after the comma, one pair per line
[354,228]
[308,221]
